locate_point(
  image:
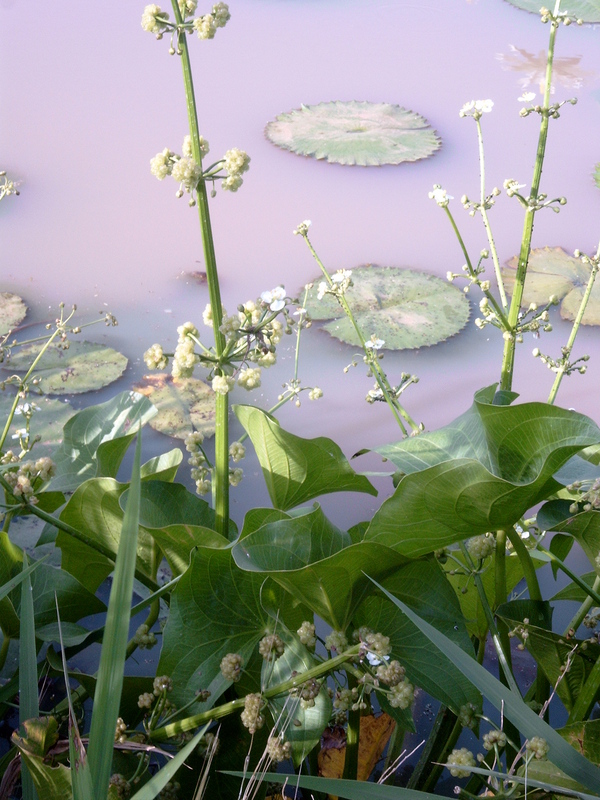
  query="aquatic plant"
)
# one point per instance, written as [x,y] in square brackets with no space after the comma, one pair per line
[293,631]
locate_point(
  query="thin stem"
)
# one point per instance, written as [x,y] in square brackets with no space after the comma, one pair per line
[583,609]
[4,650]
[352,738]
[529,571]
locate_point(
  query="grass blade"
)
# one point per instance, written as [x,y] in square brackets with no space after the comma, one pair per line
[7,587]
[561,753]
[28,677]
[107,697]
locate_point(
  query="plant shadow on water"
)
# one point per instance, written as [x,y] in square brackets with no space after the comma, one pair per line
[365,603]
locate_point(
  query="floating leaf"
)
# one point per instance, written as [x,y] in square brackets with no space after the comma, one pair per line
[552,271]
[367,134]
[184,404]
[12,311]
[47,421]
[84,367]
[587,10]
[405,308]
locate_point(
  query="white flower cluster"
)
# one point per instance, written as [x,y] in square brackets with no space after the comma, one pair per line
[199,471]
[341,281]
[307,635]
[251,715]
[277,749]
[29,473]
[184,358]
[458,758]
[231,667]
[206,26]
[336,641]
[237,451]
[402,695]
[154,358]
[249,378]
[494,738]
[480,547]
[275,299]
[156,21]
[235,163]
[475,108]
[223,384]
[184,169]
[441,196]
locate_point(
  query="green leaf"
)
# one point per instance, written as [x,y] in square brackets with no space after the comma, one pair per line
[405,308]
[551,271]
[107,697]
[587,10]
[11,584]
[84,367]
[481,472]
[72,634]
[367,134]
[29,707]
[585,737]
[510,704]
[584,527]
[33,740]
[184,404]
[574,592]
[295,469]
[163,467]
[317,563]
[96,439]
[560,545]
[423,586]
[12,311]
[47,421]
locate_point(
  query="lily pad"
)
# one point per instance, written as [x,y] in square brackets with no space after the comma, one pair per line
[587,10]
[84,367]
[12,311]
[405,308]
[552,271]
[367,134]
[184,404]
[47,421]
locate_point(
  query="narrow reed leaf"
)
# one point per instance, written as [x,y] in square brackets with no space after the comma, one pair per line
[7,587]
[107,697]
[29,707]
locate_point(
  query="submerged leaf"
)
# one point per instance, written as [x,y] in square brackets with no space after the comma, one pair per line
[405,308]
[367,134]
[184,404]
[587,10]
[551,271]
[84,367]
[12,311]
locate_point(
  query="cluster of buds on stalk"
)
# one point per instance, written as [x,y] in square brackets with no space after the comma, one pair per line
[156,21]
[556,19]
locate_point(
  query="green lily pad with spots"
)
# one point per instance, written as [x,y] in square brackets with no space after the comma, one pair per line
[12,311]
[552,271]
[83,367]
[47,421]
[405,308]
[355,133]
[184,404]
[587,10]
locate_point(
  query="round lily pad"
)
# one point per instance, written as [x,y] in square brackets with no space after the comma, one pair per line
[587,10]
[404,308]
[48,418]
[184,404]
[552,271]
[12,311]
[84,367]
[367,134]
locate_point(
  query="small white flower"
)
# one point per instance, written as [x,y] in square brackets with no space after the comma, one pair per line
[441,196]
[526,97]
[485,106]
[467,107]
[374,661]
[374,343]
[322,290]
[19,433]
[302,229]
[275,299]
[340,276]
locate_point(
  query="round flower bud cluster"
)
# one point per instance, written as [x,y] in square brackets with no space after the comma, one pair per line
[278,750]
[187,173]
[441,196]
[467,715]
[23,480]
[119,786]
[315,393]
[235,163]
[538,746]
[249,378]
[307,635]
[475,108]
[237,451]
[187,7]
[271,647]
[251,716]
[197,460]
[336,641]
[162,164]
[344,698]
[494,738]
[222,384]
[154,20]
[145,700]
[120,729]
[162,683]
[307,692]
[589,496]
[169,791]
[462,757]
[206,26]
[235,476]
[144,638]
[480,547]
[154,358]
[184,359]
[392,674]
[375,643]
[402,695]
[229,327]
[231,667]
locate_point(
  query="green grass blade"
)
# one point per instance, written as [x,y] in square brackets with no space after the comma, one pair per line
[7,587]
[351,790]
[561,753]
[81,776]
[163,776]
[107,697]
[29,707]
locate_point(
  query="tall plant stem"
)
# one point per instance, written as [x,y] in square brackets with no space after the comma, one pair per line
[582,610]
[220,474]
[575,329]
[508,358]
[352,738]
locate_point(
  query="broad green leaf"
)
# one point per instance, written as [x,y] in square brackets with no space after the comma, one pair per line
[257,517]
[560,545]
[163,467]
[423,586]
[107,697]
[183,404]
[574,592]
[94,508]
[11,584]
[367,134]
[317,563]
[403,308]
[585,737]
[12,311]
[96,439]
[587,10]
[551,271]
[481,472]
[584,527]
[47,421]
[295,469]
[511,705]
[84,367]
[72,634]
[34,738]
[215,609]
